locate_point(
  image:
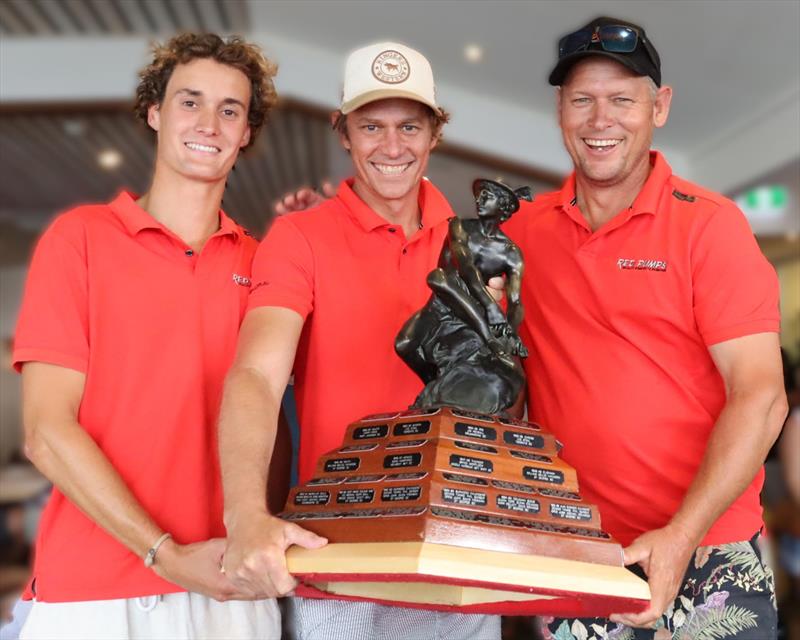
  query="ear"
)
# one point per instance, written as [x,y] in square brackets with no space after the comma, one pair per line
[559,101]
[343,139]
[154,116]
[245,138]
[661,106]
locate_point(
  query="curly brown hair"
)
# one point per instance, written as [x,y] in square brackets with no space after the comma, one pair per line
[233,51]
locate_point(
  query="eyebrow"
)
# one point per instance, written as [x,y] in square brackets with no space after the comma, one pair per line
[368,120]
[196,93]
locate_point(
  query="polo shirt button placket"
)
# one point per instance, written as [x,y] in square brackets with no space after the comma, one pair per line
[193,256]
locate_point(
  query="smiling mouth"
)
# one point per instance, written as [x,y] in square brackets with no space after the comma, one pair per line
[205,148]
[603,145]
[391,169]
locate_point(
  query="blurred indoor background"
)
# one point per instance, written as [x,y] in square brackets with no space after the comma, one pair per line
[67,135]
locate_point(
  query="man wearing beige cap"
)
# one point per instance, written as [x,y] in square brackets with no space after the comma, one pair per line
[379,236]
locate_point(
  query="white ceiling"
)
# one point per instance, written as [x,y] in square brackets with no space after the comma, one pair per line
[726,59]
[734,65]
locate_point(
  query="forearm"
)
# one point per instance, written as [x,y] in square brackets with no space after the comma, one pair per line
[739,442]
[788,450]
[247,428]
[514,310]
[65,453]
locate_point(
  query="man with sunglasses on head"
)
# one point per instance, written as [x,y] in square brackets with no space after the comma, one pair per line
[654,351]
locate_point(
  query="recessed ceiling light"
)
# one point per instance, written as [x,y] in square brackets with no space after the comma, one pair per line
[74,126]
[109,159]
[473,53]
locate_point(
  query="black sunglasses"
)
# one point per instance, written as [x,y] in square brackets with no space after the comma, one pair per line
[614,38]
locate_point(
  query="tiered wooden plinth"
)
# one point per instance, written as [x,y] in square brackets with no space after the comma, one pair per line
[450,508]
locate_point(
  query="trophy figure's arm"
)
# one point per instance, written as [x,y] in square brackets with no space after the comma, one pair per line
[514,287]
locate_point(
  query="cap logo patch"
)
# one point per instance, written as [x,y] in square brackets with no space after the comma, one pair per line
[390,67]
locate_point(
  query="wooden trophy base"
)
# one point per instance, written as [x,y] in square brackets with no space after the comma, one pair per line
[451,509]
[444,577]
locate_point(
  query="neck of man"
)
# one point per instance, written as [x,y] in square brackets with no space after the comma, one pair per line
[189,208]
[403,212]
[600,202]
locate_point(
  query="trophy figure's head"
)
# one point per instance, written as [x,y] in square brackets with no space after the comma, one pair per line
[494,199]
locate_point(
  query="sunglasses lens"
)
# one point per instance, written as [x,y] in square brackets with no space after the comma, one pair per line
[618,39]
[574,42]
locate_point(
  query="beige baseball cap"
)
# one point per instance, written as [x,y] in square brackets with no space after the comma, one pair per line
[387,70]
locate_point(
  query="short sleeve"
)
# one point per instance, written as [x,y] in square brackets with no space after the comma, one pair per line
[283,270]
[53,323]
[735,289]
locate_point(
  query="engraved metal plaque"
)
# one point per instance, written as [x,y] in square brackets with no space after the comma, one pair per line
[401,493]
[310,498]
[419,427]
[518,439]
[464,497]
[471,464]
[342,464]
[371,431]
[543,475]
[355,496]
[475,431]
[402,460]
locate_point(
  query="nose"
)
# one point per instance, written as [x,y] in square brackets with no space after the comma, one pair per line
[392,143]
[207,122]
[601,116]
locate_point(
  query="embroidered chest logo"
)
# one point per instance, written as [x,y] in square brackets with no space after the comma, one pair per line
[641,264]
[242,280]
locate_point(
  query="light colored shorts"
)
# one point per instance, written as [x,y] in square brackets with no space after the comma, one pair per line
[312,619]
[169,616]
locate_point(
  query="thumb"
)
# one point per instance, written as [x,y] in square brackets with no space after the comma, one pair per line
[496,282]
[328,190]
[304,538]
[636,552]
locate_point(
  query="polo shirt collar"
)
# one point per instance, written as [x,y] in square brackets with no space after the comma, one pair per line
[136,219]
[432,203]
[649,197]
[646,202]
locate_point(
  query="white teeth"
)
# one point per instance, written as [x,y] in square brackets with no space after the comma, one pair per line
[391,169]
[201,147]
[592,142]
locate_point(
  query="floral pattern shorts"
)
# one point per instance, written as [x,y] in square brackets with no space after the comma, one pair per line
[728,591]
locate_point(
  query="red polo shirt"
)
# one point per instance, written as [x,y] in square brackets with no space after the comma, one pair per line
[618,323]
[114,294]
[355,278]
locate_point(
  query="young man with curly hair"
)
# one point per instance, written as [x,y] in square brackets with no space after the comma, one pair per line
[128,324]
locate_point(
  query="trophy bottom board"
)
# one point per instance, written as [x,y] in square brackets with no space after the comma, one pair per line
[440,576]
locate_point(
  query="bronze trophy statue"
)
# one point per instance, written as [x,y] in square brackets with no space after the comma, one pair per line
[455,503]
[462,345]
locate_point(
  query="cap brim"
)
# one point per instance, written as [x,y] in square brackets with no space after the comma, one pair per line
[383,94]
[559,73]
